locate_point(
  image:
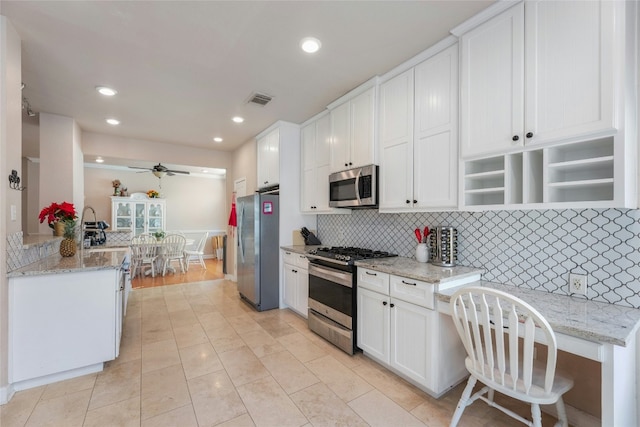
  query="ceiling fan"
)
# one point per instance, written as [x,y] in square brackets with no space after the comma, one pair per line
[160,170]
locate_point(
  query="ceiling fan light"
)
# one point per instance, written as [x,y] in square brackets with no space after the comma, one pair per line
[217,139]
[106,91]
[113,122]
[159,174]
[99,159]
[238,119]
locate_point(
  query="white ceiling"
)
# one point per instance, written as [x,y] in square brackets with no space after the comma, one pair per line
[183,68]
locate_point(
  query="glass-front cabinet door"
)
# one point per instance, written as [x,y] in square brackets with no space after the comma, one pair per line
[155,217]
[138,214]
[122,216]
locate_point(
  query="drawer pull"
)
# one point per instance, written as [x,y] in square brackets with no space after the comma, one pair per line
[410,284]
[371,274]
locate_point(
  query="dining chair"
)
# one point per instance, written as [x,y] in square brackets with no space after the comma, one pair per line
[172,249]
[143,253]
[197,252]
[498,332]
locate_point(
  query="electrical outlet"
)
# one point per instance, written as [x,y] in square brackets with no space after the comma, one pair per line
[577,284]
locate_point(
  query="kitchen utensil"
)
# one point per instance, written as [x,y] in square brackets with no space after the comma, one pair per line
[418,235]
[426,234]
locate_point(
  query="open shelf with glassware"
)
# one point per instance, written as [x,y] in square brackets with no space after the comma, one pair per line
[138,214]
[581,174]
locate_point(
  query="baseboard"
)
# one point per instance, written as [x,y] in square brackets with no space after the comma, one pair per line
[231,277]
[6,393]
[60,376]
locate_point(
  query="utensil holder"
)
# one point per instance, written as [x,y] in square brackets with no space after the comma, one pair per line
[422,252]
[443,243]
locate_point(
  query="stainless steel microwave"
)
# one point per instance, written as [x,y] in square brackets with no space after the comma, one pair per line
[354,188]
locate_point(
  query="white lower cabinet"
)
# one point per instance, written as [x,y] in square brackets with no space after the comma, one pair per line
[399,327]
[295,292]
[61,323]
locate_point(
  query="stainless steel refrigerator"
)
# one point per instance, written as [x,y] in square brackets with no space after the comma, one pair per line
[258,250]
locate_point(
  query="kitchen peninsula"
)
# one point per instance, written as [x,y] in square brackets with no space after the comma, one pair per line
[65,316]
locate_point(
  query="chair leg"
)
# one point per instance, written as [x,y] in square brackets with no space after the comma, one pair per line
[536,415]
[562,414]
[463,402]
[201,259]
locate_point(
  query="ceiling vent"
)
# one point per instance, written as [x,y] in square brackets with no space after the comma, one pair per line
[260,99]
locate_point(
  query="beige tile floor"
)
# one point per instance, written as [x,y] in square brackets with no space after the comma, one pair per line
[195,355]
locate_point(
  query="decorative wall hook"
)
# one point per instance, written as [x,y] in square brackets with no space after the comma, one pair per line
[14,181]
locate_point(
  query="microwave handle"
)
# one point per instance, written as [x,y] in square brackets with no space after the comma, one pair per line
[358,186]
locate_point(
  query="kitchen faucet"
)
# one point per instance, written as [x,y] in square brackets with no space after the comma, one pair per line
[82,228]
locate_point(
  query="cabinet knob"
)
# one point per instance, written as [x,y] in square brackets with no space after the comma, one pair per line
[384,303]
[350,164]
[408,201]
[346,164]
[295,271]
[266,182]
[515,137]
[529,135]
[415,201]
[392,305]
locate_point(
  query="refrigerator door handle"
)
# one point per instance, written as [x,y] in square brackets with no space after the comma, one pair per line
[240,239]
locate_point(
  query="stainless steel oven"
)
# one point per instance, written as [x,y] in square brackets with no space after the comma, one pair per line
[332,303]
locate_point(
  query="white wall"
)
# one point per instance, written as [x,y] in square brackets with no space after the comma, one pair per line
[10,154]
[193,202]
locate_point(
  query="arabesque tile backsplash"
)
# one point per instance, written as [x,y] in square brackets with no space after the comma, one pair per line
[534,249]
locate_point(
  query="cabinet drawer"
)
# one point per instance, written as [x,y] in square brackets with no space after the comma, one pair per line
[289,257]
[413,291]
[301,261]
[373,280]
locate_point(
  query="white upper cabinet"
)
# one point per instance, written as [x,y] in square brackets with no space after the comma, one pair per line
[269,159]
[352,132]
[569,62]
[492,85]
[316,146]
[418,136]
[540,72]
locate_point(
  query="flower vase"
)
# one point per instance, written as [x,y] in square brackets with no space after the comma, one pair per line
[58,228]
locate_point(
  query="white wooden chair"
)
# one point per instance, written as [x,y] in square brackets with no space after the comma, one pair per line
[142,254]
[172,249]
[490,323]
[197,252]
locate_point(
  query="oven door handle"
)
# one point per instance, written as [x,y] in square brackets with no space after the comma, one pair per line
[338,277]
[331,260]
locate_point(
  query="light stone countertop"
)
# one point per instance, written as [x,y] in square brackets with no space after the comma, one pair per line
[426,272]
[38,240]
[300,249]
[56,264]
[574,316]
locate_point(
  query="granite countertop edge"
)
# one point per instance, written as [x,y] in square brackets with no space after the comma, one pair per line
[577,317]
[57,264]
[426,272]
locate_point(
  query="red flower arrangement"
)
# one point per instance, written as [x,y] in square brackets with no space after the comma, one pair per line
[58,212]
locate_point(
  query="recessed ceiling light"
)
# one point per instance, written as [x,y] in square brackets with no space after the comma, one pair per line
[99,159]
[238,119]
[217,139]
[106,91]
[204,171]
[113,122]
[310,44]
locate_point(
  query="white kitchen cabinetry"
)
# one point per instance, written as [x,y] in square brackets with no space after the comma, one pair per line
[138,213]
[269,159]
[399,327]
[352,131]
[418,136]
[540,72]
[316,147]
[296,282]
[62,322]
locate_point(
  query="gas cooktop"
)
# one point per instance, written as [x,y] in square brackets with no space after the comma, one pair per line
[348,254]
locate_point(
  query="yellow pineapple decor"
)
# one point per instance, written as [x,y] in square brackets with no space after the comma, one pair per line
[68,244]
